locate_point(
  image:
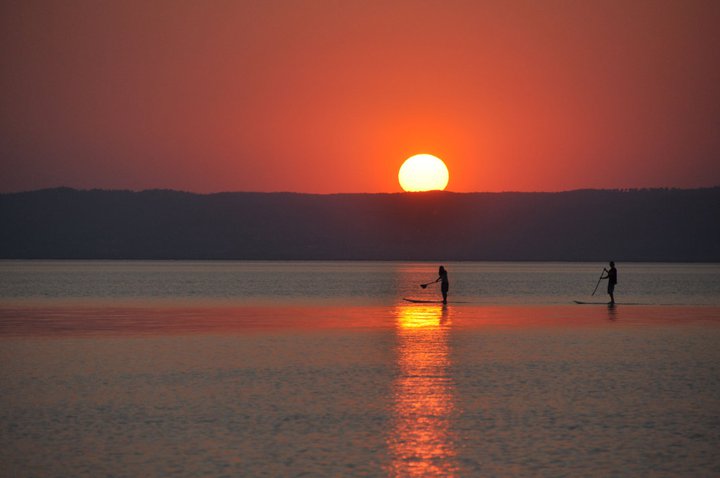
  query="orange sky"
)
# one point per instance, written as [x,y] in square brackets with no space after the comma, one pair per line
[332,96]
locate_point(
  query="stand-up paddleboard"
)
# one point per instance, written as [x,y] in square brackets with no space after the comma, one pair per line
[422,301]
[579,302]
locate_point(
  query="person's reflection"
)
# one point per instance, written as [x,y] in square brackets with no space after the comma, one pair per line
[421,441]
[612,312]
[444,315]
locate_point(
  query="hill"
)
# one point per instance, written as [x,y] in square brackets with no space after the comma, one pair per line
[638,225]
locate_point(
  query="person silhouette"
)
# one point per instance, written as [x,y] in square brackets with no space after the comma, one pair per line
[444,283]
[611,276]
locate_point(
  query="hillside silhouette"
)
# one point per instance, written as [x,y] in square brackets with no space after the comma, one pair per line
[637,225]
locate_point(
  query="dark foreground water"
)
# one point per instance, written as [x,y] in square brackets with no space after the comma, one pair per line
[165,369]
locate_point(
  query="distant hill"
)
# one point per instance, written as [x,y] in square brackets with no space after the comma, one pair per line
[638,225]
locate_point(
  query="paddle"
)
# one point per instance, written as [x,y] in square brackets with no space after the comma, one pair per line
[425,285]
[596,285]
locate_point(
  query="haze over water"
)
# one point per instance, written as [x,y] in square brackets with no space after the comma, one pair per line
[321,369]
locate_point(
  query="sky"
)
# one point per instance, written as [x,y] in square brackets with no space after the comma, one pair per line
[332,96]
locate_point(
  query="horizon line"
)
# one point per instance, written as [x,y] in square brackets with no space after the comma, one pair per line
[436,191]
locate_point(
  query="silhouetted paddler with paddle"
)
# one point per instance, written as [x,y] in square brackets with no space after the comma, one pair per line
[444,283]
[611,276]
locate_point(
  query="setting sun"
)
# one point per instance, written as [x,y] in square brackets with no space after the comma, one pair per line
[423,172]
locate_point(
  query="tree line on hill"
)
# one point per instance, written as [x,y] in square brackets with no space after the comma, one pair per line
[583,225]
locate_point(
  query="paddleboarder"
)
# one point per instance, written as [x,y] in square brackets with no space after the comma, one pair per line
[611,276]
[444,283]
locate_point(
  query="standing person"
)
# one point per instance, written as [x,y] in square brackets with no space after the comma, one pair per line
[444,283]
[611,276]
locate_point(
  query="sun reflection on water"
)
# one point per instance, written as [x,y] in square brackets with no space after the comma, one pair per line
[421,442]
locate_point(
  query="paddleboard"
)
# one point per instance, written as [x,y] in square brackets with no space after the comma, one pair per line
[422,301]
[605,303]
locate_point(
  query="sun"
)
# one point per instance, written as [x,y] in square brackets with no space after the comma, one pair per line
[423,172]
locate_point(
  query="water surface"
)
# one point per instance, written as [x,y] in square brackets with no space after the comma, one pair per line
[244,282]
[320,369]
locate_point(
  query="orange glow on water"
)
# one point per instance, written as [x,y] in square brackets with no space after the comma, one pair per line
[421,442]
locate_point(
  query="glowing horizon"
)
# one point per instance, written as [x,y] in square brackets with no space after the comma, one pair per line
[513,96]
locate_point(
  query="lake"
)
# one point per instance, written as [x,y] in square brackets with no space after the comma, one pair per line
[144,368]
[380,283]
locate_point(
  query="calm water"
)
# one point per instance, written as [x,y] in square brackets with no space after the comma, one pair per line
[198,369]
[353,282]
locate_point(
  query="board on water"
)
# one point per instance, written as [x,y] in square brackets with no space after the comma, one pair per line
[425,301]
[579,302]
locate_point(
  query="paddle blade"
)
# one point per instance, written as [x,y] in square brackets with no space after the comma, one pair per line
[423,286]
